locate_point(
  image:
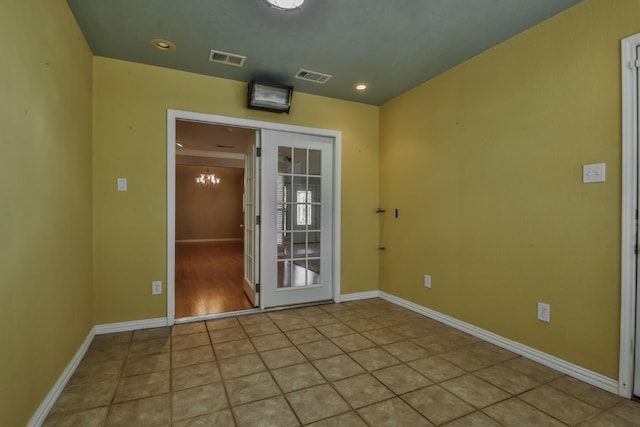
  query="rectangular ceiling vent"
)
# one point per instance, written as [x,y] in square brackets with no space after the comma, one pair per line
[312,76]
[226,58]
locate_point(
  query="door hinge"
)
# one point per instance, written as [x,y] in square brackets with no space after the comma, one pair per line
[258,151]
[257,219]
[257,287]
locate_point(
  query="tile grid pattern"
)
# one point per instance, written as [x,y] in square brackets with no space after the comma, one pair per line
[358,363]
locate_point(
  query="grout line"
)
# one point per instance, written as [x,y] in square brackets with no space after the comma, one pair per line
[170,336]
[224,385]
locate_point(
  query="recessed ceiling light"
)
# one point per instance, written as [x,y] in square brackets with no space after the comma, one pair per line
[162,45]
[285,4]
[361,87]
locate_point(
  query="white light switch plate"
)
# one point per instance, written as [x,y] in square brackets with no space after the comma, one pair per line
[593,173]
[122,184]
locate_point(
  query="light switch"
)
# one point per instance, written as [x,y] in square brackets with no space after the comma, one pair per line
[593,173]
[122,184]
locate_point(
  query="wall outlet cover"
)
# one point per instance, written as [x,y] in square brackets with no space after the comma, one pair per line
[544,312]
[156,287]
[427,281]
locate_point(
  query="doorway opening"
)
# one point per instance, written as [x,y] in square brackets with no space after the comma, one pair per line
[227,146]
[209,218]
[209,242]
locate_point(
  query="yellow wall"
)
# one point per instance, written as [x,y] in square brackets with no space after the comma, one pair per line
[130,102]
[484,164]
[45,212]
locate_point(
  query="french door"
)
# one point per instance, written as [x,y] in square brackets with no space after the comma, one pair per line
[636,366]
[251,206]
[295,254]
[296,218]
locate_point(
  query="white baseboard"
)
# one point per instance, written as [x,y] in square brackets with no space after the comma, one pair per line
[232,239]
[359,295]
[110,328]
[43,410]
[583,374]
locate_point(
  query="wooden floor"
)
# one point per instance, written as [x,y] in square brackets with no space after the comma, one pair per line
[209,278]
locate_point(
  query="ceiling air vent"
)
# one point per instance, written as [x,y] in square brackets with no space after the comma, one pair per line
[312,76]
[226,58]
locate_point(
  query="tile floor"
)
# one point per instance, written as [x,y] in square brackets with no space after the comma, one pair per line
[359,363]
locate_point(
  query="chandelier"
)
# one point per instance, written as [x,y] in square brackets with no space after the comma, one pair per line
[207,180]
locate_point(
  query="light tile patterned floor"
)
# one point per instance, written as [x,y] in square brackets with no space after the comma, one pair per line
[358,363]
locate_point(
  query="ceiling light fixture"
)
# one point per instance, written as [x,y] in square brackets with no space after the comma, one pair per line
[285,4]
[266,96]
[361,87]
[162,45]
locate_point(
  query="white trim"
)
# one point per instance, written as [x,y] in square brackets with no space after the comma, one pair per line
[629,204]
[42,412]
[337,214]
[359,295]
[172,116]
[171,216]
[212,154]
[245,123]
[216,316]
[231,239]
[593,378]
[110,328]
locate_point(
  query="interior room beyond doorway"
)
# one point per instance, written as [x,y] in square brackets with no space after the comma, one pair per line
[209,244]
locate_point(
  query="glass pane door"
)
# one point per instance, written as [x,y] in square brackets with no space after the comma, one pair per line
[299,224]
[298,185]
[251,229]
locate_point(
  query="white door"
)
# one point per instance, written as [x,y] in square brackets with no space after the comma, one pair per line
[296,218]
[636,367]
[251,227]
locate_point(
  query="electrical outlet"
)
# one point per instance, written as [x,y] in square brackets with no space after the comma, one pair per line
[544,312]
[122,184]
[156,287]
[427,281]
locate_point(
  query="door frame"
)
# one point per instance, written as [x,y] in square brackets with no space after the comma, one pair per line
[172,117]
[629,276]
